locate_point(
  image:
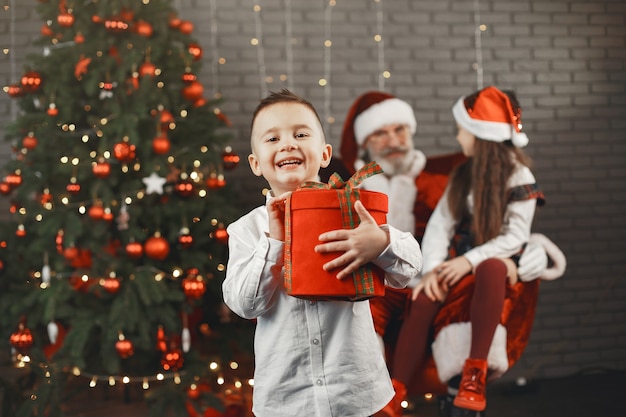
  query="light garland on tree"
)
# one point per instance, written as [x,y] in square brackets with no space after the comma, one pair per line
[98,160]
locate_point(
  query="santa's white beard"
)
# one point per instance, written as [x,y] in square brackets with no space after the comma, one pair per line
[394,166]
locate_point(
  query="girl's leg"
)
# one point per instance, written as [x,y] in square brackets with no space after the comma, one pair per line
[485,311]
[410,351]
[487,304]
[412,341]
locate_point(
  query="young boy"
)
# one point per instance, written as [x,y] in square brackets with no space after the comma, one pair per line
[312,358]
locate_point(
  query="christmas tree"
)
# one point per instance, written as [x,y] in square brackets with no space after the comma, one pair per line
[114,250]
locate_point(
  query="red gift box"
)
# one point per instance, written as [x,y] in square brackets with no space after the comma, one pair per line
[316,208]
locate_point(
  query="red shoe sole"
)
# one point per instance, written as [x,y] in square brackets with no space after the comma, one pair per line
[470,404]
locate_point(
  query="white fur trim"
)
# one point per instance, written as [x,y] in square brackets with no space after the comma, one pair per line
[402,195]
[559,262]
[487,130]
[418,163]
[386,112]
[452,347]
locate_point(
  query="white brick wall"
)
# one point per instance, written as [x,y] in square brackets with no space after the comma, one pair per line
[565,59]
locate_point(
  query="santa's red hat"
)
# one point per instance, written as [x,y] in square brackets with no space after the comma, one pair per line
[370,112]
[489,115]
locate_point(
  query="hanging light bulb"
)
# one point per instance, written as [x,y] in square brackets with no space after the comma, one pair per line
[186,339]
[53,332]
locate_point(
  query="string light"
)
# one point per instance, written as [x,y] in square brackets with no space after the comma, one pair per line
[288,46]
[12,64]
[216,60]
[478,65]
[258,42]
[325,82]
[383,74]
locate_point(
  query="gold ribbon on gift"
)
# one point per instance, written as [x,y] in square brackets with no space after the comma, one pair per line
[347,193]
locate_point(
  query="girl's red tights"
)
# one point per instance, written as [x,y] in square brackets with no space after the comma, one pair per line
[485,311]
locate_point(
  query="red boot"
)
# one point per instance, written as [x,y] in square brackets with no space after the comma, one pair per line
[394,407]
[472,388]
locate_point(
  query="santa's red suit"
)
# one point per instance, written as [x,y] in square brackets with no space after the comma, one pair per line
[412,199]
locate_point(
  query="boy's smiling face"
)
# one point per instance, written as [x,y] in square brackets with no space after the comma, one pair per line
[288,146]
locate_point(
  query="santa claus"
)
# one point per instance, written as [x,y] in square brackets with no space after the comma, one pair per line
[381,127]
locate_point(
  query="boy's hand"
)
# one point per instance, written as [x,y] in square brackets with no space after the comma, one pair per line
[360,245]
[276,216]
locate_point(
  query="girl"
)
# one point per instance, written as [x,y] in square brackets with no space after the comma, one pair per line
[470,249]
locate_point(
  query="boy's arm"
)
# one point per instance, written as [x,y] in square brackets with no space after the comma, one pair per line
[253,274]
[402,258]
[396,252]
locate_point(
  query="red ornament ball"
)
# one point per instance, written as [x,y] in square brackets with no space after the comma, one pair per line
[124,151]
[221,235]
[157,247]
[174,21]
[15,90]
[189,77]
[200,102]
[166,118]
[52,110]
[116,25]
[96,212]
[31,81]
[111,285]
[184,188]
[161,145]
[195,51]
[70,253]
[29,142]
[73,188]
[20,231]
[230,159]
[108,215]
[215,181]
[101,169]
[22,339]
[46,30]
[172,360]
[134,250]
[193,91]
[65,19]
[5,189]
[147,69]
[193,287]
[143,28]
[161,345]
[124,348]
[14,180]
[45,198]
[185,240]
[185,27]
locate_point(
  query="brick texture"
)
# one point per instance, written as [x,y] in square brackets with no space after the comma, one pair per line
[565,59]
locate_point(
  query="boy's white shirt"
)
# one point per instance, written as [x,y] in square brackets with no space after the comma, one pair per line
[320,355]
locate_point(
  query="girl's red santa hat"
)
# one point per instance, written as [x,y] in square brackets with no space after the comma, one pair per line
[489,115]
[370,112]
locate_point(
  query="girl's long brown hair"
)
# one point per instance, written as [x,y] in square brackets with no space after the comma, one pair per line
[486,174]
